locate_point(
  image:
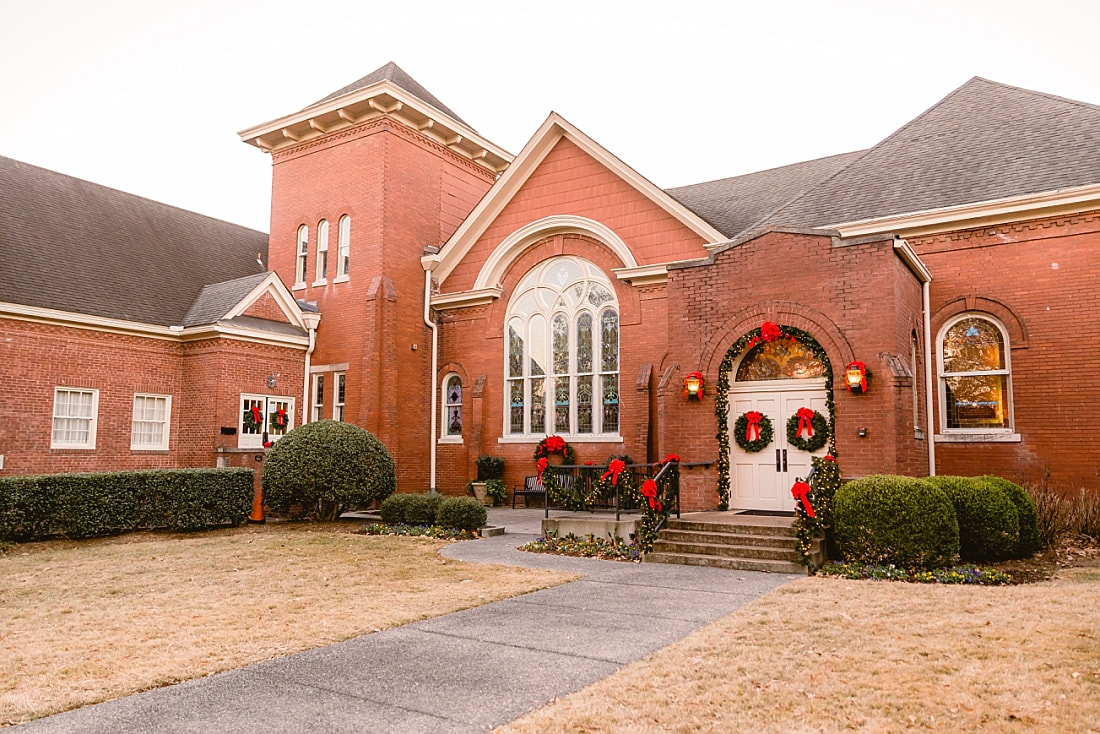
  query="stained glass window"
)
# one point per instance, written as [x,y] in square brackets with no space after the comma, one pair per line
[563,345]
[974,375]
[782,359]
[452,402]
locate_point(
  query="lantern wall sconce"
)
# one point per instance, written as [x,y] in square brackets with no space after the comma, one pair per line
[856,376]
[271,382]
[693,386]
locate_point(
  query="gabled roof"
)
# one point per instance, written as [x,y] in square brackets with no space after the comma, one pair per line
[75,246]
[983,142]
[391,72]
[218,299]
[731,205]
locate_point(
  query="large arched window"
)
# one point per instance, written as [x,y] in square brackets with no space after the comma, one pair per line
[562,352]
[975,375]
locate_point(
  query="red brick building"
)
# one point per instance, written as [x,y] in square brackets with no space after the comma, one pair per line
[566,294]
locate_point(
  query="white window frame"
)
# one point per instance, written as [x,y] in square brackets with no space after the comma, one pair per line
[990,434]
[530,282]
[339,395]
[165,425]
[93,419]
[343,250]
[445,435]
[301,262]
[318,411]
[322,253]
[267,404]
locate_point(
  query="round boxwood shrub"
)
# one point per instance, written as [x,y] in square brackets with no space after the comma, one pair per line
[421,509]
[989,527]
[1025,513]
[462,513]
[327,467]
[892,519]
[393,508]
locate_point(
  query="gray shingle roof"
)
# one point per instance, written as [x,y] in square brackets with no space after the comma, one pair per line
[730,205]
[393,73]
[983,141]
[76,246]
[216,299]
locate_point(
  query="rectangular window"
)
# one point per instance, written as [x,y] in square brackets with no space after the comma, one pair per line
[343,247]
[149,430]
[338,402]
[74,418]
[264,417]
[303,256]
[318,397]
[322,252]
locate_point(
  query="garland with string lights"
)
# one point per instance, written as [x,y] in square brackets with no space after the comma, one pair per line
[808,528]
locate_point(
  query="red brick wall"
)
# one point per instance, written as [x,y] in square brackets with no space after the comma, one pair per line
[402,192]
[266,308]
[1038,277]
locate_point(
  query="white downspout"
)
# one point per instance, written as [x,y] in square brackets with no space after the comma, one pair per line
[311,320]
[428,265]
[930,430]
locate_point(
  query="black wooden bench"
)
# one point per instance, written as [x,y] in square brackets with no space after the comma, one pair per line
[532,487]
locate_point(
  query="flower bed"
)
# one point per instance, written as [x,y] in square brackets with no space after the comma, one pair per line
[967,574]
[418,531]
[587,547]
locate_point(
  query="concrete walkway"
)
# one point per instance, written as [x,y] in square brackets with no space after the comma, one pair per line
[464,672]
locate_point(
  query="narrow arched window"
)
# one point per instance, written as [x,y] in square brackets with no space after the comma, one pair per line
[343,247]
[562,352]
[452,405]
[975,375]
[322,252]
[303,256]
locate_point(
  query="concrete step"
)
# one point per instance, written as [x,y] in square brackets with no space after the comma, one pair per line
[738,564]
[785,528]
[783,553]
[724,538]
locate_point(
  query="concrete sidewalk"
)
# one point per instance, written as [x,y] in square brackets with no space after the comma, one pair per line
[464,672]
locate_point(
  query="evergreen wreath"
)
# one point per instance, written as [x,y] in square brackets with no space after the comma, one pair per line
[278,420]
[253,419]
[740,433]
[808,443]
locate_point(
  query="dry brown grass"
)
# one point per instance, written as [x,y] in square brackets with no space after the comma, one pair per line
[84,622]
[825,654]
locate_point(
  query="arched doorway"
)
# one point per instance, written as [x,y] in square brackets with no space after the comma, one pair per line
[775,378]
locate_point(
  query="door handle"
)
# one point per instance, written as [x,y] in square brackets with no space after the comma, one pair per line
[777,462]
[784,459]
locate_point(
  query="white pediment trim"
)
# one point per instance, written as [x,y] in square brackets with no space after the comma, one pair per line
[283,298]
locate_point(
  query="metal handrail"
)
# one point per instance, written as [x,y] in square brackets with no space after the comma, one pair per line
[618,499]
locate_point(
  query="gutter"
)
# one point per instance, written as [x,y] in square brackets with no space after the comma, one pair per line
[311,321]
[429,264]
[924,275]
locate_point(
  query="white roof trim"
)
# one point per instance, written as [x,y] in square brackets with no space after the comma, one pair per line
[994,211]
[514,244]
[909,256]
[644,274]
[271,284]
[541,143]
[465,299]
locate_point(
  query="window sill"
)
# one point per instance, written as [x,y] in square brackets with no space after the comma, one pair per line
[318,283]
[298,287]
[571,439]
[341,279]
[149,450]
[998,437]
[452,440]
[72,448]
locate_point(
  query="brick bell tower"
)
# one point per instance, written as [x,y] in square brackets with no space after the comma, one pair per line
[362,181]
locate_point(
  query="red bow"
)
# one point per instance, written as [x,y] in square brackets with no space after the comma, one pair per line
[256,417]
[829,457]
[800,490]
[769,332]
[541,466]
[268,444]
[555,445]
[805,422]
[280,418]
[671,457]
[649,491]
[614,470]
[753,417]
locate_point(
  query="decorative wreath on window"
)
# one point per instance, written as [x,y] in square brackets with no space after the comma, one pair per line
[555,445]
[753,431]
[253,419]
[807,430]
[278,420]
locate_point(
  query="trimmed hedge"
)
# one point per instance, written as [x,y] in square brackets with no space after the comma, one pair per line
[989,526]
[327,467]
[421,509]
[1026,513]
[393,508]
[85,505]
[463,513]
[893,519]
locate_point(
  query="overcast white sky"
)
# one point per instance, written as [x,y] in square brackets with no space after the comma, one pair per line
[147,95]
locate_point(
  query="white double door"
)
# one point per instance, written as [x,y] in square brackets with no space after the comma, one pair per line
[763,480]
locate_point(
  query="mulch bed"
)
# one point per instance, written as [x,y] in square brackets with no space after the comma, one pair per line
[1069,552]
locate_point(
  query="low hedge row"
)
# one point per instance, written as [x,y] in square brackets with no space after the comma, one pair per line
[463,513]
[927,523]
[108,503]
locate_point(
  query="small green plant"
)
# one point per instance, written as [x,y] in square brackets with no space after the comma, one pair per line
[903,521]
[989,526]
[464,513]
[498,490]
[489,467]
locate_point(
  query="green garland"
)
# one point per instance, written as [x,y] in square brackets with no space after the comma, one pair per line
[823,486]
[767,432]
[721,399]
[814,442]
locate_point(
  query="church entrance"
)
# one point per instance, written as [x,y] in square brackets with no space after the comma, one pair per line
[774,379]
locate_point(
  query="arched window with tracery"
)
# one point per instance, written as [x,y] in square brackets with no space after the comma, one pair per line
[562,352]
[975,375]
